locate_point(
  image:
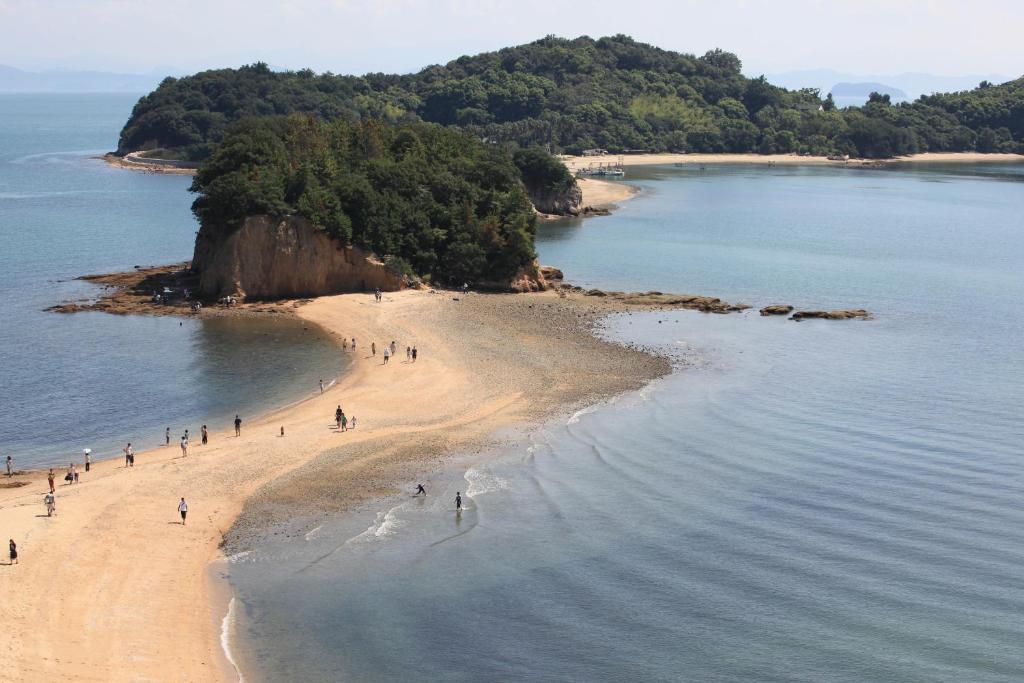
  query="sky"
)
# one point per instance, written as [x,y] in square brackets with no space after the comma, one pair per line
[949,37]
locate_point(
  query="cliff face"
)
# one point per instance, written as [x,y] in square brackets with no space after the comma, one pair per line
[268,259]
[567,203]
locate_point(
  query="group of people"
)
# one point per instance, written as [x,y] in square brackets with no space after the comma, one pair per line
[391,350]
[185,442]
[344,422]
[458,496]
[72,475]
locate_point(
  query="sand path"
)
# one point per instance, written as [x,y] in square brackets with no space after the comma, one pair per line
[114,588]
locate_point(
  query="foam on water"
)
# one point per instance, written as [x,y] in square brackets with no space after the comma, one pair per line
[384,525]
[227,629]
[482,481]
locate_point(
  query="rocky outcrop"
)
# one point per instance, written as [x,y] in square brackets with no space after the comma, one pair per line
[551,273]
[777,309]
[832,315]
[274,259]
[706,304]
[566,203]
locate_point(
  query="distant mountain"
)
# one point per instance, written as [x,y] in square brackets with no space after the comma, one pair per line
[912,84]
[55,81]
[856,94]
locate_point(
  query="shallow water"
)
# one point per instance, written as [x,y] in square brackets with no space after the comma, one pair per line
[803,501]
[96,380]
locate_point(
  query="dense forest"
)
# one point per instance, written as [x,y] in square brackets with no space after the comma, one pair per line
[570,95]
[433,201]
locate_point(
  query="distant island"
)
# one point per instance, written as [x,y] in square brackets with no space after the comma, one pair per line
[856,94]
[14,80]
[572,95]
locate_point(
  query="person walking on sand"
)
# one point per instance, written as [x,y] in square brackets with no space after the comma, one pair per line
[88,461]
[408,353]
[393,347]
[50,478]
[419,490]
[127,454]
[238,426]
[51,504]
[70,476]
[414,354]
[321,386]
[387,355]
[204,435]
[184,446]
[14,551]
[352,422]
[353,343]
[458,501]
[167,436]
[343,422]
[337,416]
[373,348]
[183,509]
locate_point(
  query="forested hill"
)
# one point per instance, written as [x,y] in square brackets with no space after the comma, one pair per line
[431,201]
[612,93]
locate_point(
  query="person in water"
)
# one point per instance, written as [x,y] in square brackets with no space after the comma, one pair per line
[167,436]
[419,490]
[458,501]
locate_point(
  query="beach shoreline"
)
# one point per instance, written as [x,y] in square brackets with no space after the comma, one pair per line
[699,159]
[509,360]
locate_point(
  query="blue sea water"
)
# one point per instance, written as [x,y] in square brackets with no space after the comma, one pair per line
[812,501]
[97,380]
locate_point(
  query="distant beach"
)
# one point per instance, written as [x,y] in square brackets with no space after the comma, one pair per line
[577,162]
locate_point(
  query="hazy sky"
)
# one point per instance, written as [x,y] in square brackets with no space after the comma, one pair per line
[355,36]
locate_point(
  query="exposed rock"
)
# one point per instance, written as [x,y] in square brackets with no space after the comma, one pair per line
[558,203]
[551,273]
[777,309]
[595,292]
[268,259]
[832,315]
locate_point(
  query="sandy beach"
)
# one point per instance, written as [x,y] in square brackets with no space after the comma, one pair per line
[114,588]
[576,162]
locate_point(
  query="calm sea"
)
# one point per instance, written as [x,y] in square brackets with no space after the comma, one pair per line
[814,501]
[96,380]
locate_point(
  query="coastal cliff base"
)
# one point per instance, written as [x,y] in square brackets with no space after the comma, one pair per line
[288,258]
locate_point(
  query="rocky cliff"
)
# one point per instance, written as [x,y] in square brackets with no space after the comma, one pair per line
[273,259]
[564,203]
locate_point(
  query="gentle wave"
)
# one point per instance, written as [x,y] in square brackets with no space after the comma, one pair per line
[227,628]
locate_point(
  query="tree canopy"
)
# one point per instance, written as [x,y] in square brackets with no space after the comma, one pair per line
[569,95]
[430,200]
